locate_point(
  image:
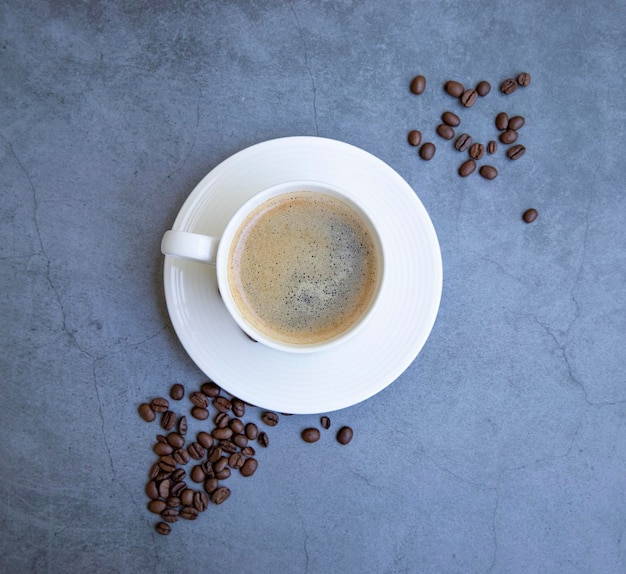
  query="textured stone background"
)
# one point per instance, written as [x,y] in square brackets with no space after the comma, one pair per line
[501,449]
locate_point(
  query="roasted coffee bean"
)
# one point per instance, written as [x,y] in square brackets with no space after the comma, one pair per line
[344,435]
[445,131]
[200,501]
[516,123]
[199,399]
[263,439]
[188,513]
[223,474]
[167,463]
[197,474]
[469,97]
[168,420]
[508,137]
[249,467]
[199,413]
[186,497]
[214,454]
[210,389]
[450,119]
[161,438]
[508,86]
[181,456]
[236,460]
[241,440]
[182,425]
[164,488]
[176,440]
[523,79]
[152,490]
[157,506]
[177,488]
[492,147]
[427,151]
[467,167]
[162,448]
[177,392]
[179,474]
[159,405]
[205,439]
[502,121]
[155,469]
[227,446]
[455,89]
[238,406]
[488,172]
[236,425]
[163,528]
[221,420]
[220,495]
[252,431]
[463,142]
[325,422]
[196,450]
[418,85]
[222,404]
[310,435]
[211,484]
[163,474]
[516,151]
[146,412]
[207,468]
[415,137]
[248,451]
[220,464]
[477,151]
[173,502]
[530,215]
[269,418]
[170,515]
[483,88]
[222,433]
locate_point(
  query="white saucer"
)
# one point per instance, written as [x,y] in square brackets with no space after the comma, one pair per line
[367,362]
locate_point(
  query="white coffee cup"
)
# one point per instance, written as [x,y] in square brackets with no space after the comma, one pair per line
[321,269]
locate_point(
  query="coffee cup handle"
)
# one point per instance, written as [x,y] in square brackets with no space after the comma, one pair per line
[192,246]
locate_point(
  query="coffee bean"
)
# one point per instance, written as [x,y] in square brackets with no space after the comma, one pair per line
[488,172]
[483,88]
[492,147]
[530,215]
[415,137]
[214,454]
[199,399]
[236,460]
[211,389]
[344,435]
[222,433]
[325,422]
[220,464]
[157,506]
[146,412]
[162,448]
[463,142]
[188,513]
[468,167]
[200,501]
[182,425]
[516,151]
[252,431]
[167,463]
[450,119]
[418,85]
[236,425]
[163,475]
[241,440]
[222,404]
[445,131]
[523,79]
[263,439]
[168,420]
[427,151]
[161,438]
[159,405]
[239,407]
[176,440]
[165,487]
[163,528]
[155,469]
[227,446]
[502,121]
[177,392]
[508,137]
[205,439]
[248,451]
[249,467]
[199,413]
[177,488]
[181,456]
[221,420]
[220,495]
[469,97]
[455,89]
[477,151]
[196,450]
[186,497]
[178,475]
[310,435]
[270,419]
[170,515]
[211,484]
[173,502]
[508,86]
[516,123]
[152,490]
[223,474]
[197,474]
